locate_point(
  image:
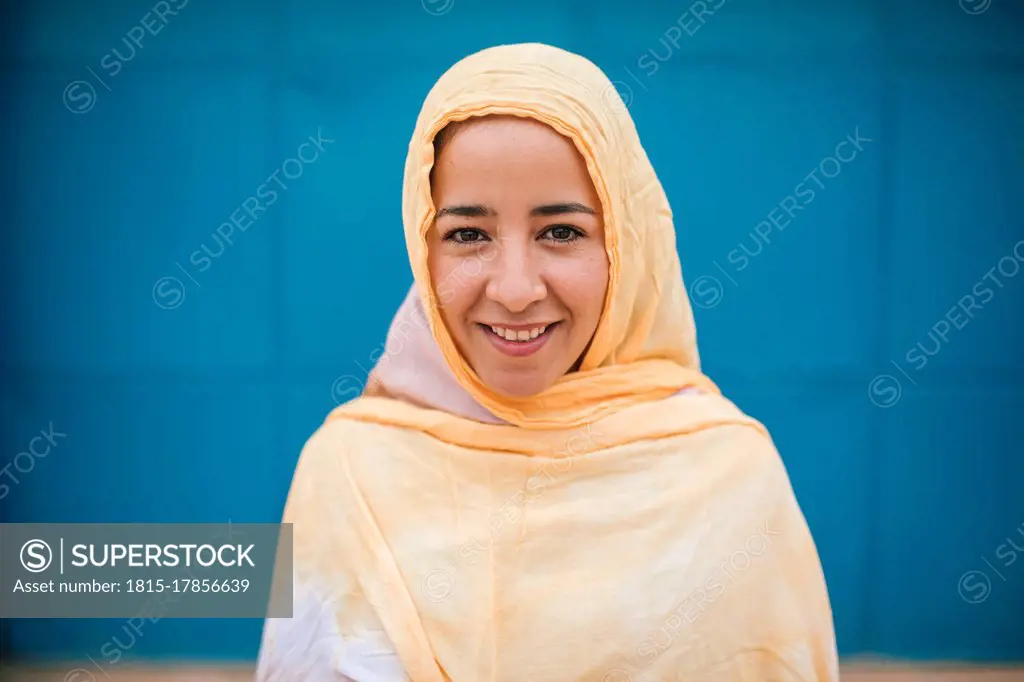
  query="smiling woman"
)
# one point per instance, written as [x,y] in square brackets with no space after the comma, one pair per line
[515,195]
[539,482]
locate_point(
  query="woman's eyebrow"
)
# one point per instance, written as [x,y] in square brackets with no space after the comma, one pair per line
[562,209]
[482,211]
[469,211]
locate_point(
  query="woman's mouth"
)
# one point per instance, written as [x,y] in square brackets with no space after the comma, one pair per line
[519,341]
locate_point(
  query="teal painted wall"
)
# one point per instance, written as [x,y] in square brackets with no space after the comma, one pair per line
[186,384]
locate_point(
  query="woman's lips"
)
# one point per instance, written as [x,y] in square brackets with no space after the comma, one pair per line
[519,349]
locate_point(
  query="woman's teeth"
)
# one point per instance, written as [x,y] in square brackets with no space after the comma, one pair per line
[522,335]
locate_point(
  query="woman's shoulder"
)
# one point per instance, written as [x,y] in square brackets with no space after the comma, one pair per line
[728,432]
[695,409]
[365,415]
[360,426]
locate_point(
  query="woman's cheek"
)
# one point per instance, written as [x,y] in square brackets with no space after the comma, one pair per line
[445,291]
[582,277]
[459,280]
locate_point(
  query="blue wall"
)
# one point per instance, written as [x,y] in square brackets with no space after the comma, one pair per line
[188,399]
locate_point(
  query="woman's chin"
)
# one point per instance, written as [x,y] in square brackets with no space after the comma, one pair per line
[518,384]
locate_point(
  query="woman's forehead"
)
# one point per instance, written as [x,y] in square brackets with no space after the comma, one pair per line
[511,154]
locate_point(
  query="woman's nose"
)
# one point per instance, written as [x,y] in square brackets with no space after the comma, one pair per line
[515,282]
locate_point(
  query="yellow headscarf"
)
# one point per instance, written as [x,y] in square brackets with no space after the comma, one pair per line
[613,529]
[645,347]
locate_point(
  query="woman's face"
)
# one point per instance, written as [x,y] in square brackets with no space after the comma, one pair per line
[517,254]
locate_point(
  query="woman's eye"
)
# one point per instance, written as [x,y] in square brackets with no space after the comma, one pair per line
[564,233]
[465,235]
